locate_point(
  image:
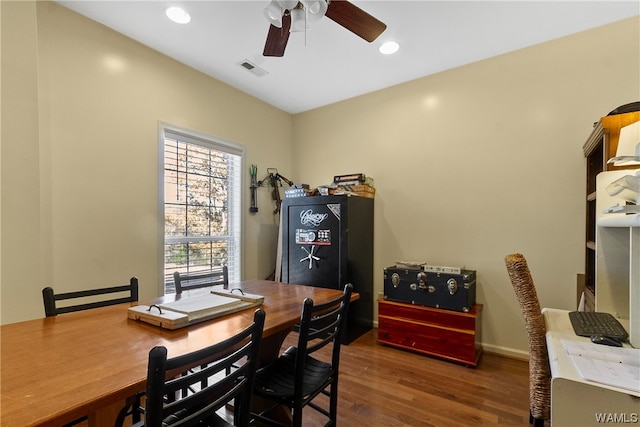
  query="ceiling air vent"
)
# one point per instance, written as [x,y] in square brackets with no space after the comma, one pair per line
[253,68]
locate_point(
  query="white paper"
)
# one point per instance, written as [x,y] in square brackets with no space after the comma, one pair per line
[614,366]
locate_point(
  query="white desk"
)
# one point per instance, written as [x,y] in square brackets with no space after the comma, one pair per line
[574,401]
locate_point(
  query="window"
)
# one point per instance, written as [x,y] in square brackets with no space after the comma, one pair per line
[202,196]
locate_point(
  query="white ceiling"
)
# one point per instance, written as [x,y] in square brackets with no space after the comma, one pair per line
[328,63]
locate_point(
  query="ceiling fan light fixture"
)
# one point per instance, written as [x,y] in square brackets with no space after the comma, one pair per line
[297,14]
[298,20]
[288,4]
[273,13]
[316,9]
[178,15]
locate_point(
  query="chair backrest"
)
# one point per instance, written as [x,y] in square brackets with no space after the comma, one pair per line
[201,280]
[50,298]
[539,370]
[321,325]
[167,377]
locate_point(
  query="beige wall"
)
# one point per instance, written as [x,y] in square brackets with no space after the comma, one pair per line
[481,161]
[470,164]
[80,112]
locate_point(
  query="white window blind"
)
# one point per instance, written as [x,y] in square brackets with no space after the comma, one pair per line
[202,197]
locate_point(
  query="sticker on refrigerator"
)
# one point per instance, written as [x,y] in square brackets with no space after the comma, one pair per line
[318,237]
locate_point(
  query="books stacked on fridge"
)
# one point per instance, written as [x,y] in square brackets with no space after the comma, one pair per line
[357,184]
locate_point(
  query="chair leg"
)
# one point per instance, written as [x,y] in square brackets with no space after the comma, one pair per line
[536,422]
[333,403]
[297,417]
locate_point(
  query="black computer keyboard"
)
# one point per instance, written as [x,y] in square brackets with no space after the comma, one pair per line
[589,323]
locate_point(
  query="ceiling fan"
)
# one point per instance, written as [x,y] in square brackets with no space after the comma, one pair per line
[286,16]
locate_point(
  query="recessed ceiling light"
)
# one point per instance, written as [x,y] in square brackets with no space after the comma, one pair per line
[178,15]
[388,48]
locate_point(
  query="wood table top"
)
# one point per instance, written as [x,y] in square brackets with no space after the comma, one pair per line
[56,369]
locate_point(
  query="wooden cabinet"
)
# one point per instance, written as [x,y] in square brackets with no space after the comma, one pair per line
[598,149]
[447,334]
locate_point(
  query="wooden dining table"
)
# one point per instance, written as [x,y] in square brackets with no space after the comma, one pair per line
[57,369]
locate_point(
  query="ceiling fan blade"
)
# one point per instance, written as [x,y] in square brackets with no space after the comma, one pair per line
[355,19]
[277,38]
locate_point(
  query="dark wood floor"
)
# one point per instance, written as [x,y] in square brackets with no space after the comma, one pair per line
[384,386]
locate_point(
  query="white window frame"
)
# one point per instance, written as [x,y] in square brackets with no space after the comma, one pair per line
[234,262]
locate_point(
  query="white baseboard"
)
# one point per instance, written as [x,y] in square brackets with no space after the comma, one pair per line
[505,351]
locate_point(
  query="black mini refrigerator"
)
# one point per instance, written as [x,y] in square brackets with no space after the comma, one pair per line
[327,241]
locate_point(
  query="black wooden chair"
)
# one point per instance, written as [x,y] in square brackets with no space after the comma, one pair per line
[201,280]
[214,385]
[50,298]
[102,297]
[296,378]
